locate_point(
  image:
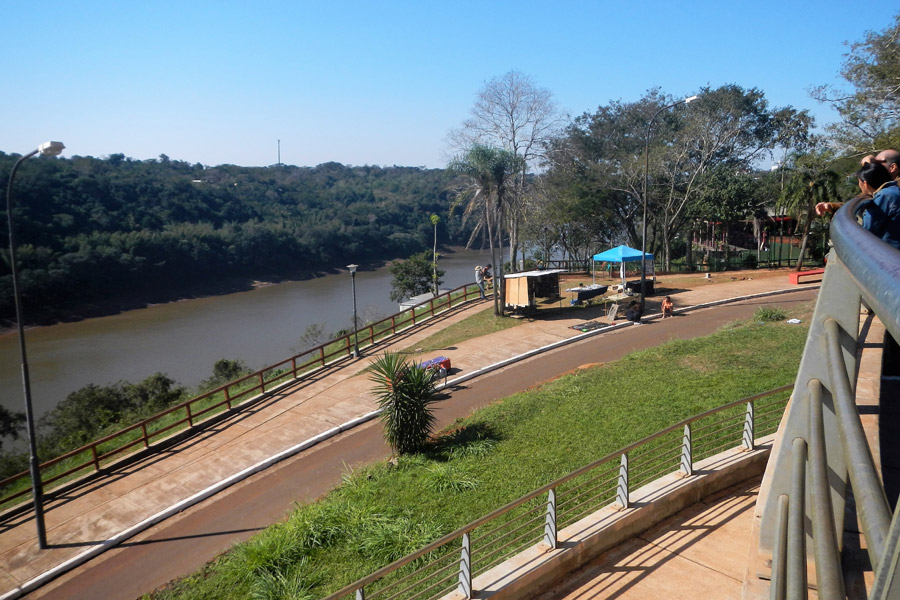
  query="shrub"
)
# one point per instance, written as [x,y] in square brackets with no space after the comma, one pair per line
[769,314]
[405,393]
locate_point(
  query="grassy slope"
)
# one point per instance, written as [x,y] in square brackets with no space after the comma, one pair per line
[384,512]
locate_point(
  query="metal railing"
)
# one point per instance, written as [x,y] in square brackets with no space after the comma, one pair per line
[451,563]
[821,452]
[201,410]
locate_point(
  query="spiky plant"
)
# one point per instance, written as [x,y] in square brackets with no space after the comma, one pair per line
[405,393]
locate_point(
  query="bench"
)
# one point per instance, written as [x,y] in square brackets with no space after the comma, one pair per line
[814,274]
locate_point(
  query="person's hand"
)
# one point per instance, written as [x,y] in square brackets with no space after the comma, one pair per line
[825,207]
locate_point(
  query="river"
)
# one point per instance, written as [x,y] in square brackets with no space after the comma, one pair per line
[184,339]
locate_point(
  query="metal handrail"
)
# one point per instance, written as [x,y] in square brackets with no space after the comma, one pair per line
[238,392]
[552,491]
[861,271]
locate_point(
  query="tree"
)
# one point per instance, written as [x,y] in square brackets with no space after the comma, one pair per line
[414,276]
[870,111]
[405,393]
[487,175]
[726,196]
[511,112]
[89,411]
[11,424]
[225,370]
[604,151]
[811,181]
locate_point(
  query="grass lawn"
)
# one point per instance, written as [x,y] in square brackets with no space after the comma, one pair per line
[385,511]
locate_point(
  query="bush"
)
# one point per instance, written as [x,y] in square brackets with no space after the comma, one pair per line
[769,314]
[405,393]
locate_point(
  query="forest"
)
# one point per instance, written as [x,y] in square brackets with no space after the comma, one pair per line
[104,232]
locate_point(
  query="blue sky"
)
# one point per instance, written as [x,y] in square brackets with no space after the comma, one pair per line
[377,82]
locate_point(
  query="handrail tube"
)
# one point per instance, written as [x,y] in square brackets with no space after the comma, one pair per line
[872,264]
[778,585]
[887,579]
[829,579]
[451,563]
[465,529]
[874,511]
[796,534]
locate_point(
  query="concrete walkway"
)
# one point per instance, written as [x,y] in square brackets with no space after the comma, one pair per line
[102,513]
[699,553]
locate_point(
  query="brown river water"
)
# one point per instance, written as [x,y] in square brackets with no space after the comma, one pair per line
[184,339]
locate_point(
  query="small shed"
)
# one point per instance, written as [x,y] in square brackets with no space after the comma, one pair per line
[522,289]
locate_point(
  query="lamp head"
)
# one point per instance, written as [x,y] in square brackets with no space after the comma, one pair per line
[352,268]
[51,148]
[691,99]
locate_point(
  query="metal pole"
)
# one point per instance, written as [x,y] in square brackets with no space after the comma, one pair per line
[34,465]
[355,327]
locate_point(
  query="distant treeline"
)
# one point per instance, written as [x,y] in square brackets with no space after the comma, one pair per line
[94,231]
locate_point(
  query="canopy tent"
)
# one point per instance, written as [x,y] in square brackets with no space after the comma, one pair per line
[621,255]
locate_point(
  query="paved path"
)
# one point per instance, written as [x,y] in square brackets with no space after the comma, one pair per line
[699,553]
[95,516]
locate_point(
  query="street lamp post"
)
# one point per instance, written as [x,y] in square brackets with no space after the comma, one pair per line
[355,327]
[647,188]
[46,149]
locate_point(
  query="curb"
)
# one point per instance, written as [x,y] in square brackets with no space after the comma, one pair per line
[105,545]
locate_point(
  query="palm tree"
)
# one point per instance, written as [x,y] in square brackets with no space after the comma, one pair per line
[405,393]
[811,181]
[434,256]
[489,174]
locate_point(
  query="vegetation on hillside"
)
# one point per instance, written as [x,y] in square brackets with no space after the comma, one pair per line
[94,230]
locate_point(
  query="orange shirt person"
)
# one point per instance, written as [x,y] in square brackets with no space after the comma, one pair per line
[667,307]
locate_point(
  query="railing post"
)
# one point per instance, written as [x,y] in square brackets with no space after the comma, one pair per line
[829,578]
[144,432]
[227,398]
[322,355]
[778,585]
[622,485]
[465,568]
[550,537]
[94,457]
[687,454]
[796,534]
[749,437]
[189,415]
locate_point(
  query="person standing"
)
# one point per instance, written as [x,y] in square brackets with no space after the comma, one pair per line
[479,279]
[881,215]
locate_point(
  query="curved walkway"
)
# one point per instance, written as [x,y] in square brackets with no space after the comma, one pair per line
[105,512]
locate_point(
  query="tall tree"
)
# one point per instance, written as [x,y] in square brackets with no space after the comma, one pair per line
[414,276]
[487,175]
[811,180]
[513,113]
[727,125]
[870,110]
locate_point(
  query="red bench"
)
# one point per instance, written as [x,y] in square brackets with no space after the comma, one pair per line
[814,274]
